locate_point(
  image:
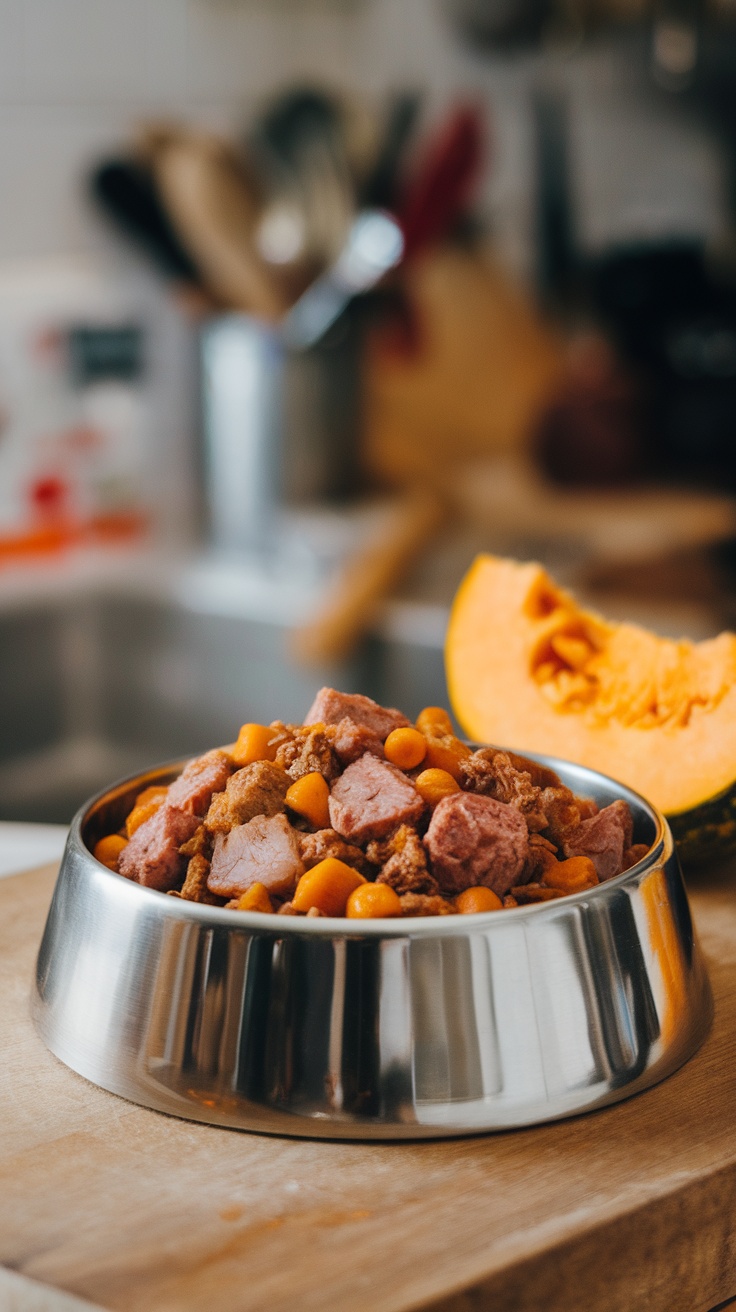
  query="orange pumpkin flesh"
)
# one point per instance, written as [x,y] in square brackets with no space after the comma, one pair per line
[528,668]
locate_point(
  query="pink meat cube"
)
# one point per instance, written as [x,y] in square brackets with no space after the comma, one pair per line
[202,777]
[604,838]
[372,798]
[152,855]
[330,707]
[475,840]
[265,851]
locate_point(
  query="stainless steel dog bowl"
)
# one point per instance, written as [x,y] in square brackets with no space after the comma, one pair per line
[376,1029]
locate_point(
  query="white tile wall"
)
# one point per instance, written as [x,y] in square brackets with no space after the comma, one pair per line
[75,76]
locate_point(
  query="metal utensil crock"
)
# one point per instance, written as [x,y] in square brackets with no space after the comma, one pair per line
[382,1029]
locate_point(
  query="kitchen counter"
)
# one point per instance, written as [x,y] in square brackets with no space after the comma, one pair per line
[630,1207]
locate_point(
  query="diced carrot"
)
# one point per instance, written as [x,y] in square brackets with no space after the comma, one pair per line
[327,886]
[373,902]
[255,743]
[473,900]
[433,785]
[309,796]
[405,748]
[255,898]
[108,849]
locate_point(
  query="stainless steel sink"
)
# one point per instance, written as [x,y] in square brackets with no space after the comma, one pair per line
[106,674]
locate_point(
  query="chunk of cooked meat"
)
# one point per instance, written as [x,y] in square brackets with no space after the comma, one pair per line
[194,888]
[353,740]
[541,857]
[318,846]
[281,733]
[564,811]
[474,840]
[265,850]
[634,854]
[330,707]
[202,777]
[257,789]
[419,904]
[528,893]
[152,855]
[492,773]
[371,798]
[309,751]
[604,838]
[403,862]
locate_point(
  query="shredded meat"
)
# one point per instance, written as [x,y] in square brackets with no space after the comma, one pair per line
[309,751]
[194,888]
[419,904]
[200,844]
[562,811]
[318,846]
[541,857]
[403,862]
[257,789]
[492,773]
[526,893]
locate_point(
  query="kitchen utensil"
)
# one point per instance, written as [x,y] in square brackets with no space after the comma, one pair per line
[390,1029]
[214,208]
[381,187]
[300,142]
[125,189]
[374,245]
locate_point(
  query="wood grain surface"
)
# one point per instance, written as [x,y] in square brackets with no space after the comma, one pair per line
[625,1209]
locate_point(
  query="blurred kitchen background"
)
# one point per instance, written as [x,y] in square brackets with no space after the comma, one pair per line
[305,302]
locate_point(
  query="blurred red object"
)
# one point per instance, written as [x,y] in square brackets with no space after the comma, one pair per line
[445,182]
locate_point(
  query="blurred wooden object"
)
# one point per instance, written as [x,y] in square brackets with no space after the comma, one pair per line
[484,368]
[214,207]
[367,576]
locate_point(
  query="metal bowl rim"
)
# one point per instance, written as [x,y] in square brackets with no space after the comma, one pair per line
[332,926]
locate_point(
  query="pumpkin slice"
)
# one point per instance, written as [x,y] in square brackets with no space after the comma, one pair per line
[528,668]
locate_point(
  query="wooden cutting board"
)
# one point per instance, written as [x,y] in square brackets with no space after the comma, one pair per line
[626,1209]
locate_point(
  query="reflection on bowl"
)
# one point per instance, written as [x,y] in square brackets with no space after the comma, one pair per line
[372,1029]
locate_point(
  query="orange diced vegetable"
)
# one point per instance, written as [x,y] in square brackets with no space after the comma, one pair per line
[433,785]
[473,900]
[573,875]
[373,902]
[255,898]
[309,796]
[433,720]
[327,886]
[108,849]
[445,752]
[143,812]
[405,748]
[254,744]
[154,794]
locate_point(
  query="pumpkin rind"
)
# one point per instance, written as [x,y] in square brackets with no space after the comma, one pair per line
[526,665]
[706,832]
